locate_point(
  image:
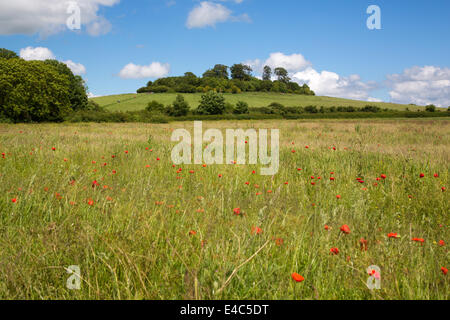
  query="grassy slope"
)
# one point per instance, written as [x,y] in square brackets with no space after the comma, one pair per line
[132,102]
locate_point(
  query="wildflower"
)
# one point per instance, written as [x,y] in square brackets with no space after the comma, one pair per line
[444,271]
[393,235]
[422,175]
[443,189]
[237,211]
[297,277]
[279,242]
[90,202]
[383,176]
[334,251]
[256,230]
[338,196]
[363,244]
[14,200]
[418,240]
[54,149]
[441,243]
[327,227]
[192,233]
[345,229]
[436,175]
[332,178]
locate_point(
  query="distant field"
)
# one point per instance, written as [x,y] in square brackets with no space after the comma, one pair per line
[133,102]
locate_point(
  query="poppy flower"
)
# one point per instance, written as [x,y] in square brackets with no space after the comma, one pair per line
[293,151]
[443,189]
[299,169]
[204,166]
[332,178]
[192,233]
[253,172]
[247,183]
[338,196]
[95,184]
[14,200]
[441,243]
[363,244]
[191,171]
[393,235]
[256,230]
[313,183]
[418,240]
[220,175]
[279,242]
[436,175]
[90,202]
[422,175]
[334,251]
[114,172]
[157,159]
[237,211]
[444,271]
[54,149]
[327,227]
[383,176]
[297,277]
[345,229]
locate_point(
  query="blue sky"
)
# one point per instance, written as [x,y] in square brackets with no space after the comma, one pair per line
[323,43]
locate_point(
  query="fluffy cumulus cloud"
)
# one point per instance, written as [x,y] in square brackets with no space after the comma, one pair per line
[41,53]
[421,85]
[293,62]
[327,83]
[38,53]
[153,70]
[208,14]
[48,17]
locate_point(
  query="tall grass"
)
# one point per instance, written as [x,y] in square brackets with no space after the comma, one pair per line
[134,241]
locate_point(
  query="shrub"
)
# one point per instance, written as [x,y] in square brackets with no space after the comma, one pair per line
[277,108]
[158,89]
[211,103]
[155,106]
[241,108]
[179,107]
[430,108]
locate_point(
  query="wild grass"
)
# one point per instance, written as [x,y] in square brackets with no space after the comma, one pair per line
[134,241]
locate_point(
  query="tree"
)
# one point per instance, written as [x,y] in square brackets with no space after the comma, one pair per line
[282,75]
[219,71]
[77,88]
[33,91]
[179,107]
[155,106]
[241,108]
[241,72]
[267,73]
[7,54]
[430,108]
[211,103]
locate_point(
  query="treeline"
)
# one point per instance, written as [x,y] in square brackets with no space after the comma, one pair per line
[38,91]
[214,107]
[220,80]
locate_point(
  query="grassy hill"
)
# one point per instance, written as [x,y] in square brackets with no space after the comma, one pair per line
[134,102]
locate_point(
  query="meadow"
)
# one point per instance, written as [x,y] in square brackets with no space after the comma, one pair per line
[135,102]
[106,197]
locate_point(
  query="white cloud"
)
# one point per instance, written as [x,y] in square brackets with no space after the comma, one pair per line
[328,83]
[38,53]
[77,68]
[291,63]
[48,17]
[421,85]
[208,14]
[41,53]
[154,70]
[372,99]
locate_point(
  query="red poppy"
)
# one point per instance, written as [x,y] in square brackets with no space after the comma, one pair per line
[90,202]
[114,172]
[95,184]
[383,176]
[436,175]
[443,189]
[422,175]
[297,277]
[393,235]
[327,227]
[444,271]
[54,149]
[247,183]
[363,244]
[421,240]
[334,251]
[441,243]
[157,159]
[338,196]
[14,200]
[345,229]
[332,178]
[220,175]
[237,211]
[192,233]
[256,230]
[279,241]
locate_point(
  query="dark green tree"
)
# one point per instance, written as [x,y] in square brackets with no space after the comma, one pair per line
[241,72]
[179,107]
[219,71]
[7,54]
[430,108]
[241,108]
[282,74]
[267,73]
[155,106]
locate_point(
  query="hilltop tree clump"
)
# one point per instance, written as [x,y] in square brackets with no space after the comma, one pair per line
[218,79]
[211,103]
